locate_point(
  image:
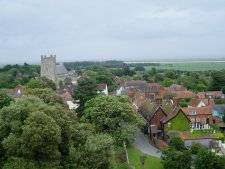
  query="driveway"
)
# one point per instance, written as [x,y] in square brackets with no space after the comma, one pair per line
[142,143]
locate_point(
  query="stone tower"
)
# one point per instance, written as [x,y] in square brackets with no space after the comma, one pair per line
[48,67]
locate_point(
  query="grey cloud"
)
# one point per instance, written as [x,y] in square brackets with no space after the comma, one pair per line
[118,29]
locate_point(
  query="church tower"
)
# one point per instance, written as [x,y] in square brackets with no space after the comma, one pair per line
[48,67]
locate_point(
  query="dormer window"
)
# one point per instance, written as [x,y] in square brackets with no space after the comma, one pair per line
[192,112]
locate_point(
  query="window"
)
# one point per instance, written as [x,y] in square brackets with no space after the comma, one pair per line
[169,124]
[192,112]
[203,120]
[198,120]
[192,120]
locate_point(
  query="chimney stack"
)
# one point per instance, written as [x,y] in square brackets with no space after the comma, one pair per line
[159,101]
[175,102]
[167,99]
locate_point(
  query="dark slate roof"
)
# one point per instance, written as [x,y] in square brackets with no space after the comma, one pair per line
[60,69]
[220,108]
[136,84]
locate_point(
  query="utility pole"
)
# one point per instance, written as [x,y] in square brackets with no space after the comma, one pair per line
[125,147]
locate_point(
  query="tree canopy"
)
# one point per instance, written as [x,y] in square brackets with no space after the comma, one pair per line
[112,114]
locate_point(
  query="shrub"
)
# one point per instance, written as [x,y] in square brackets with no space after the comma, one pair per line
[176,143]
[194,149]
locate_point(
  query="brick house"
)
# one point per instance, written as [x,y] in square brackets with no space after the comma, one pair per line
[18,91]
[211,94]
[184,94]
[139,85]
[162,115]
[103,88]
[200,117]
[196,102]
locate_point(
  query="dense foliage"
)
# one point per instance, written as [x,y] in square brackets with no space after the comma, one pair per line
[176,156]
[36,135]
[113,115]
[5,99]
[12,75]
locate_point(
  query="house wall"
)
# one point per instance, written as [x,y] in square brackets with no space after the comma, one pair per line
[178,123]
[159,115]
[201,117]
[204,142]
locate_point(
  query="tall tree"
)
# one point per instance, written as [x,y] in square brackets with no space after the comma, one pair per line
[218,81]
[5,99]
[208,160]
[47,95]
[112,114]
[86,90]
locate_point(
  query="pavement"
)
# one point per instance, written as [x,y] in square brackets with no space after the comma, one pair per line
[142,143]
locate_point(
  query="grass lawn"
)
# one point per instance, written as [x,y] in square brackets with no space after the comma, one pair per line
[150,161]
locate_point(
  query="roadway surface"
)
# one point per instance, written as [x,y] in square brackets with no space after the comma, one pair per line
[142,143]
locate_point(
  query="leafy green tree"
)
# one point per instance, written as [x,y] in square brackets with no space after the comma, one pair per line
[171,74]
[218,80]
[167,82]
[195,148]
[47,95]
[5,99]
[111,114]
[41,82]
[34,83]
[127,71]
[208,160]
[80,133]
[158,77]
[172,159]
[86,90]
[28,117]
[22,163]
[201,87]
[47,83]
[176,143]
[103,79]
[41,137]
[99,150]
[139,68]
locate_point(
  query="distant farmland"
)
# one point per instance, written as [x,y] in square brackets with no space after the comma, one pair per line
[190,66]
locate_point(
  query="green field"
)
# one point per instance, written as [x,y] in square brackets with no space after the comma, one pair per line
[190,66]
[150,161]
[134,158]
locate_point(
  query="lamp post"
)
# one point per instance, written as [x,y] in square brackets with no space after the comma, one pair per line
[142,159]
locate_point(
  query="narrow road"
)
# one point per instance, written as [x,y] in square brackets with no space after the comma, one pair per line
[142,143]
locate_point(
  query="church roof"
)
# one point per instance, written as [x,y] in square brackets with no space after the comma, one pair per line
[60,69]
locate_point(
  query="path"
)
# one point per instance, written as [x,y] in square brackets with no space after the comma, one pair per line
[143,145]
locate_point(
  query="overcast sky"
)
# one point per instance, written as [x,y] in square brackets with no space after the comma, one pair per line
[76,30]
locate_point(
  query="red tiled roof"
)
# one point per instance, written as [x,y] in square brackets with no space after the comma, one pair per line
[176,87]
[153,84]
[18,90]
[195,101]
[139,101]
[184,94]
[209,93]
[135,82]
[162,91]
[207,110]
[102,86]
[67,96]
